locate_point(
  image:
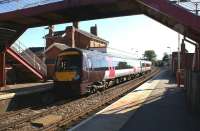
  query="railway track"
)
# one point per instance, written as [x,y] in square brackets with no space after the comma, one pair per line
[69,111]
[12,119]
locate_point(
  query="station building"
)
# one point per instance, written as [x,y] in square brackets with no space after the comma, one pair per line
[56,41]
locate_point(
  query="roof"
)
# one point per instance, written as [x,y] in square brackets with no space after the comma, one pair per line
[60,33]
[92,36]
[97,53]
[57,45]
[56,33]
[36,49]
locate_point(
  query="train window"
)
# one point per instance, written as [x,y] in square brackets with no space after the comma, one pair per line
[129,64]
[122,65]
[104,64]
[115,64]
[98,63]
[89,64]
[94,63]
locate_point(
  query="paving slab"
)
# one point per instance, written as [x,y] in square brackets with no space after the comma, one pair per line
[164,110]
[46,120]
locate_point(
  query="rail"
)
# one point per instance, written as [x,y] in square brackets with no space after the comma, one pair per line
[192,6]
[30,57]
[13,5]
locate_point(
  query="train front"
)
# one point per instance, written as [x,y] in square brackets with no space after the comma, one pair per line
[67,76]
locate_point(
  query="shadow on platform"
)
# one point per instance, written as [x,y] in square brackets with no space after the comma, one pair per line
[164,110]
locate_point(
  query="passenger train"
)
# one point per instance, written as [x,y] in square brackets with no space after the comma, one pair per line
[80,72]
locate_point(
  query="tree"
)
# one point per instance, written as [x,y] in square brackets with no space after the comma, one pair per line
[150,55]
[165,57]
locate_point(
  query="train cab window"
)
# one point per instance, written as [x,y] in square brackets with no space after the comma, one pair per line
[68,63]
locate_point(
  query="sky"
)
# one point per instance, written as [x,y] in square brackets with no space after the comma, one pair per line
[130,34]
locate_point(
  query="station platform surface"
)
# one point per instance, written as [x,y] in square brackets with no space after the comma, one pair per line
[157,105]
[10,91]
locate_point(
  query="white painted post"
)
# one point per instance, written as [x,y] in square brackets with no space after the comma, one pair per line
[73,37]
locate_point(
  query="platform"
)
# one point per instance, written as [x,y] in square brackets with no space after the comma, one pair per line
[157,105]
[19,96]
[11,91]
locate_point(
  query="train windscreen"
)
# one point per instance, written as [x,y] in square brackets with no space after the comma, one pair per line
[68,63]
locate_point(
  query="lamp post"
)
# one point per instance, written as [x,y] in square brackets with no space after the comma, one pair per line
[169,56]
[179,57]
[178,73]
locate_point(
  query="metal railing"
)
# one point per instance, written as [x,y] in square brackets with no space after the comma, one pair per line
[12,5]
[30,57]
[192,6]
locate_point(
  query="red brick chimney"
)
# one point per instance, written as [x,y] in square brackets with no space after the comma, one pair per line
[76,24]
[49,40]
[51,27]
[93,30]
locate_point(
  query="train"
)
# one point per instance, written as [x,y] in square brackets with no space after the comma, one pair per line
[80,72]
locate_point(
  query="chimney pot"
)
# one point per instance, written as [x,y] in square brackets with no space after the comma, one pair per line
[76,24]
[93,30]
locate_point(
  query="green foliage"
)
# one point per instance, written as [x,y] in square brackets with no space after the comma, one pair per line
[150,55]
[158,63]
[165,57]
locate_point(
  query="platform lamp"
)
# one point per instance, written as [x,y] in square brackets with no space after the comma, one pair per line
[137,53]
[169,56]
[170,49]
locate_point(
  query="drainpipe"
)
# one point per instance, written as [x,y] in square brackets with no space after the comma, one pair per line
[196,59]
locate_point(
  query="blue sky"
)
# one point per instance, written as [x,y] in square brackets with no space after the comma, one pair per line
[130,33]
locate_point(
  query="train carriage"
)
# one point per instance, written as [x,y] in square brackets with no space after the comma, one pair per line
[82,71]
